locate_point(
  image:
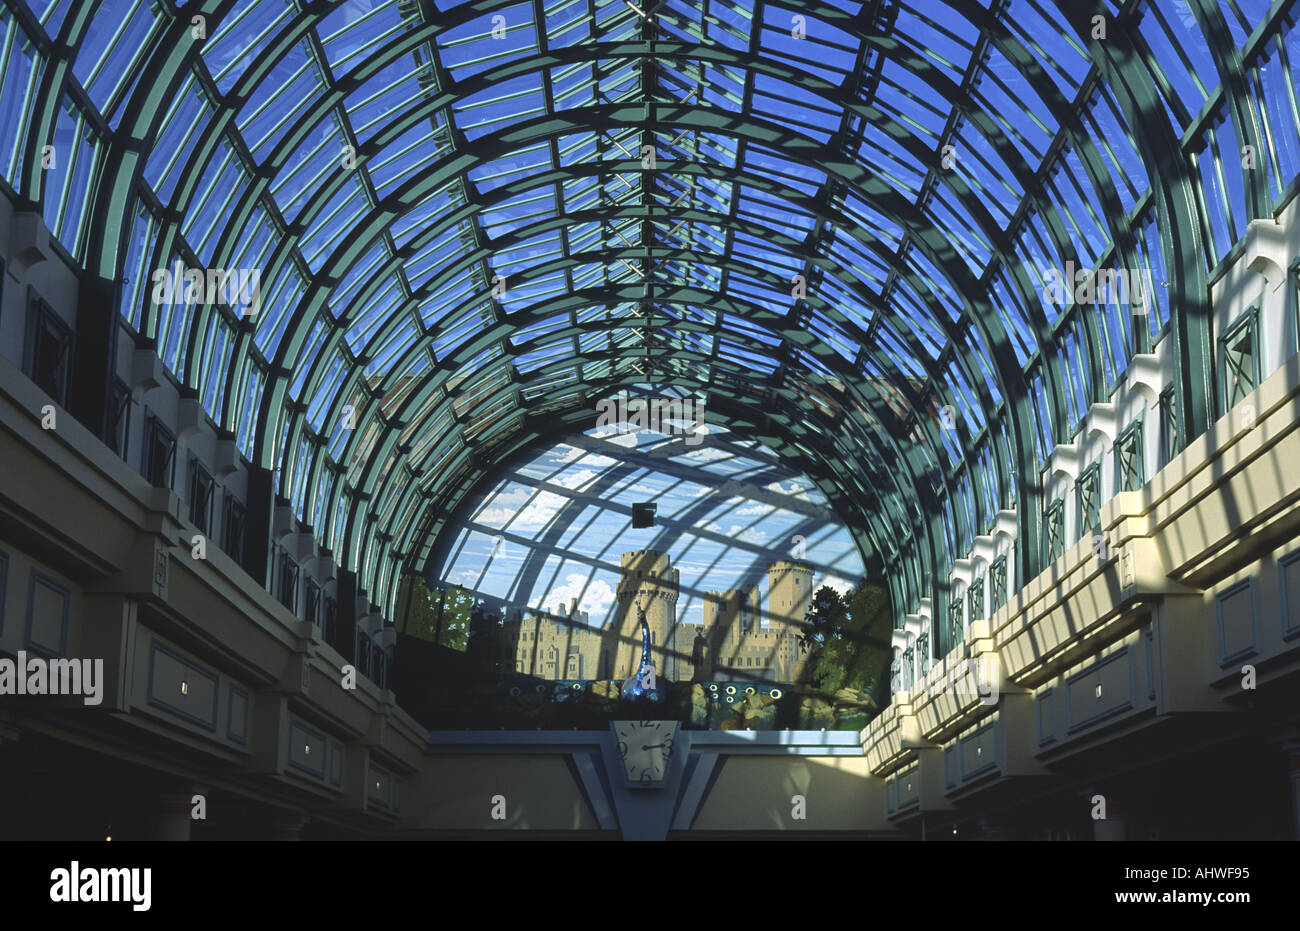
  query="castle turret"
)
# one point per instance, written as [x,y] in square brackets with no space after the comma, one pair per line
[647,577]
[789,595]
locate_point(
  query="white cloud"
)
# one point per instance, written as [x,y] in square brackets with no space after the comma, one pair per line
[755,510]
[594,596]
[704,454]
[794,491]
[566,454]
[536,515]
[747,534]
[834,581]
[576,479]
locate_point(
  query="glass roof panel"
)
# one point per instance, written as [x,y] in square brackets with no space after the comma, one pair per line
[1044,32]
[506,34]
[514,231]
[240,39]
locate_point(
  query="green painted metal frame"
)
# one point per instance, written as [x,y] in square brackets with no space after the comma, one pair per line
[866,432]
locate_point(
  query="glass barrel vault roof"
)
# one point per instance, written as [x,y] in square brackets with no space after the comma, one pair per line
[472,220]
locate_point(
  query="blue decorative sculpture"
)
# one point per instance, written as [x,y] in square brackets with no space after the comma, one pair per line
[642,686]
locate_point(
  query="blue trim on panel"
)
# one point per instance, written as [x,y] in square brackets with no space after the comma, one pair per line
[912,775]
[336,763]
[48,582]
[241,738]
[1039,701]
[989,764]
[155,649]
[384,798]
[1071,728]
[296,725]
[1247,584]
[1287,632]
[697,782]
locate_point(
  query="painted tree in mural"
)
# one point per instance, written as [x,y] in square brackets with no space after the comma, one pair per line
[442,615]
[437,654]
[847,640]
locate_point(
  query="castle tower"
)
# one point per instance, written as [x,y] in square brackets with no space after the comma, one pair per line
[789,595]
[647,576]
[730,619]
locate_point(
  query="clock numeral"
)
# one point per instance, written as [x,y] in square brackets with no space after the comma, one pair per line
[622,749]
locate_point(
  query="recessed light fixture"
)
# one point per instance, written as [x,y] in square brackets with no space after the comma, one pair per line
[185,687]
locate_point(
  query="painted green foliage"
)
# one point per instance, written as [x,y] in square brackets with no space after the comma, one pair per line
[443,615]
[847,639]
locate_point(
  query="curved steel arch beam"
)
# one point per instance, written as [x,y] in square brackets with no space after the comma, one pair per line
[723,261]
[428,530]
[49,99]
[1176,210]
[250,83]
[1003,362]
[795,421]
[1239,103]
[976,381]
[387,444]
[402,48]
[446,485]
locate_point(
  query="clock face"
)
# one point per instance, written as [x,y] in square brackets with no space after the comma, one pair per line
[645,748]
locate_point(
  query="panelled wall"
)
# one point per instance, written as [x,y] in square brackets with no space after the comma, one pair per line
[148,542]
[1171,631]
[161,430]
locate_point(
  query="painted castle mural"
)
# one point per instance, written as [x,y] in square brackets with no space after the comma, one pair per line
[739,638]
[798,659]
